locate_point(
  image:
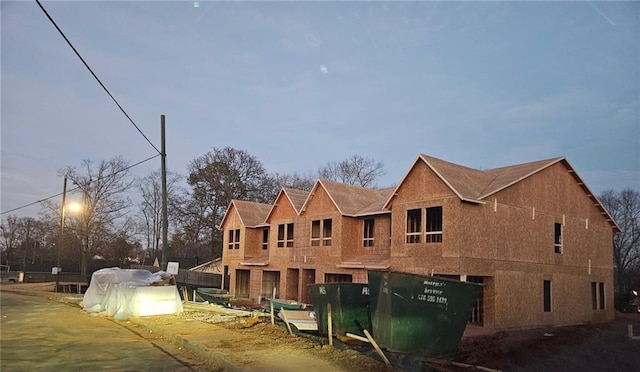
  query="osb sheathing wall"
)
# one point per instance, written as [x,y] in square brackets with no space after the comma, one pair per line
[232,222]
[282,213]
[232,257]
[512,236]
[420,189]
[323,258]
[353,233]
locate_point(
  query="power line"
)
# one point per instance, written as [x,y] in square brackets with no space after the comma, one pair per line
[95,76]
[77,187]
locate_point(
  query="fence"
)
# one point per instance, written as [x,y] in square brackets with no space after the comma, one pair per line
[191,278]
[44,277]
[184,277]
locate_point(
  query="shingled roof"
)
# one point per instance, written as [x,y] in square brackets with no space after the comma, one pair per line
[251,214]
[474,185]
[296,197]
[353,200]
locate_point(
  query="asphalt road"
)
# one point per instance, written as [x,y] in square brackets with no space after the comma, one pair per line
[37,334]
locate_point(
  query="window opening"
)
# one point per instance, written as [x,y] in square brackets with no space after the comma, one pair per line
[477,313]
[326,232]
[234,239]
[601,287]
[321,232]
[547,296]
[367,238]
[315,233]
[557,238]
[265,238]
[289,235]
[414,222]
[434,225]
[281,232]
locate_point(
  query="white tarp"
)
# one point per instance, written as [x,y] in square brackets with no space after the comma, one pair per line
[123,293]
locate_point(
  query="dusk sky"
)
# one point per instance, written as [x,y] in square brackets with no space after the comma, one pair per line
[299,84]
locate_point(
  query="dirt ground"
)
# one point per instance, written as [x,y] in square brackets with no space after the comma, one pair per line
[590,347]
[341,356]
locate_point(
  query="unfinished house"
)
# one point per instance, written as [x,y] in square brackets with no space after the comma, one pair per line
[533,234]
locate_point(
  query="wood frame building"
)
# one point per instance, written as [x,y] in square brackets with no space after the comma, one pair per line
[533,234]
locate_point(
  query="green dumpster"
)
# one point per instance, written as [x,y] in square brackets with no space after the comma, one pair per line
[349,306]
[417,314]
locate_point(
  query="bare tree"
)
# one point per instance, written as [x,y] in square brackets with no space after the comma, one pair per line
[356,170]
[216,178]
[150,187]
[24,243]
[294,180]
[9,231]
[624,207]
[102,187]
[30,232]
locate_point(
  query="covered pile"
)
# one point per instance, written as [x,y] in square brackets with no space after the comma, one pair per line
[123,293]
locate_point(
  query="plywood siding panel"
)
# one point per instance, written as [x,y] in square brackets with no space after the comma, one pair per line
[251,242]
[351,236]
[518,299]
[423,188]
[320,202]
[282,210]
[353,233]
[426,265]
[232,222]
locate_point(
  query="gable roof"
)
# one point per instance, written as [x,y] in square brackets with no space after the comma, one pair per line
[474,185]
[296,198]
[352,200]
[251,214]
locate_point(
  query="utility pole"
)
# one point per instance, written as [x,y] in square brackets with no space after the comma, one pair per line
[165,222]
[64,196]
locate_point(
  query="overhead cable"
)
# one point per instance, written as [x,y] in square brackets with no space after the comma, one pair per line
[95,76]
[77,187]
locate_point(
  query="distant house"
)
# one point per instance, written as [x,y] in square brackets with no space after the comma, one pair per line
[533,234]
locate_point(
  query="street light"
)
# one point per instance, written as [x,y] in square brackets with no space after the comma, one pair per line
[61,238]
[72,207]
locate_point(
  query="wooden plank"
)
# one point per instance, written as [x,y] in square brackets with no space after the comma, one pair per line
[375,346]
[271,306]
[199,306]
[329,324]
[284,316]
[356,337]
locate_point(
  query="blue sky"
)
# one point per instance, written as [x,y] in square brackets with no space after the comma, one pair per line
[299,84]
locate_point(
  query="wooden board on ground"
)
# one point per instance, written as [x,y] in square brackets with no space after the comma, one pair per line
[195,306]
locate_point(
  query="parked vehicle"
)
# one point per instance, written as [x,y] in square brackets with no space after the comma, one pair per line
[8,276]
